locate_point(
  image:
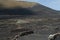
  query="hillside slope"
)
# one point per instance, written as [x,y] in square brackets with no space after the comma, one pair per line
[26,8]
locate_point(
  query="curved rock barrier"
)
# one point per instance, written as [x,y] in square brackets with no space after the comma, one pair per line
[55,36]
[17,33]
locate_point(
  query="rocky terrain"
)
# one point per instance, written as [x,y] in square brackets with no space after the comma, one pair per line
[35,17]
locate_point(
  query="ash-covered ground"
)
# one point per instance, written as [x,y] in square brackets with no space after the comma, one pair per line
[42,27]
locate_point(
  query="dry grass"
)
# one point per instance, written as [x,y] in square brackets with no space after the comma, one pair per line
[9,4]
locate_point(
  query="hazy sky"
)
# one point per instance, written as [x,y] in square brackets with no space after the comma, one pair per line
[54,4]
